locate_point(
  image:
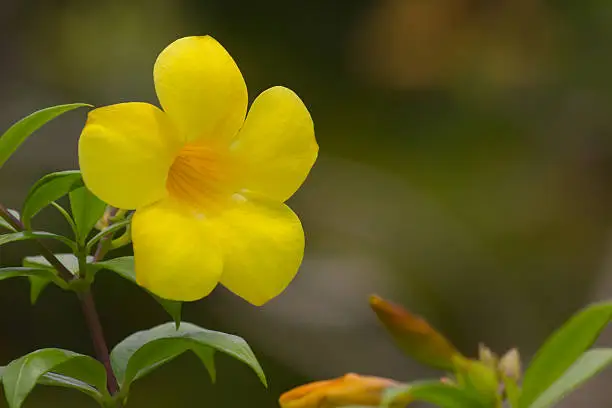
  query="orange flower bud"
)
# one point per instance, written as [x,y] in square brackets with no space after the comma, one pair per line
[351,389]
[414,336]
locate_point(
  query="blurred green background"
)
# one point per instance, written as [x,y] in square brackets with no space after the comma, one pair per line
[465,172]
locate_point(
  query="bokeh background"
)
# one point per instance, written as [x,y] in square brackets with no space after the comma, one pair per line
[465,172]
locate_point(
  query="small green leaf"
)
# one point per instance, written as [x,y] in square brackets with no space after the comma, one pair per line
[66,216]
[25,235]
[562,349]
[433,392]
[37,285]
[21,375]
[47,190]
[20,131]
[4,223]
[144,351]
[87,209]
[124,267]
[588,365]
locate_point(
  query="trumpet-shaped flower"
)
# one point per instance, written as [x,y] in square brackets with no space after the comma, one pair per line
[208,182]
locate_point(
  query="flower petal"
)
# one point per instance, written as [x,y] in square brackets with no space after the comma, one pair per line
[125,152]
[201,88]
[176,252]
[277,144]
[263,245]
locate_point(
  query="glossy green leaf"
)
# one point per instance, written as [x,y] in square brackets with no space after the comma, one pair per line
[25,235]
[433,392]
[124,267]
[47,190]
[20,131]
[4,223]
[144,351]
[21,375]
[562,349]
[87,209]
[588,365]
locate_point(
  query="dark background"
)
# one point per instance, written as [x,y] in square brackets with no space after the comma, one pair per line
[465,172]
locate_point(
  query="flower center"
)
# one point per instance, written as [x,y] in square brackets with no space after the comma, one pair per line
[200,176]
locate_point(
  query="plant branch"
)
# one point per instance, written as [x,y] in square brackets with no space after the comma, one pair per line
[97,337]
[63,272]
[87,302]
[93,319]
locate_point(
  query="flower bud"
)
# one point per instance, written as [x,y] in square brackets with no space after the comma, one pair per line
[510,364]
[414,336]
[349,390]
[486,356]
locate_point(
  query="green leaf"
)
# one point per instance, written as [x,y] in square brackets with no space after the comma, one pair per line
[87,209]
[21,375]
[39,283]
[25,235]
[143,351]
[47,190]
[124,267]
[433,392]
[70,261]
[39,278]
[59,380]
[16,271]
[66,216]
[20,131]
[562,349]
[4,223]
[588,365]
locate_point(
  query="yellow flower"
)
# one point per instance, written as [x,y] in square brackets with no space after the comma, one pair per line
[207,184]
[349,390]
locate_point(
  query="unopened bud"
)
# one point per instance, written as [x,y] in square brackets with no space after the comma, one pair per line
[414,335]
[349,390]
[510,365]
[486,356]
